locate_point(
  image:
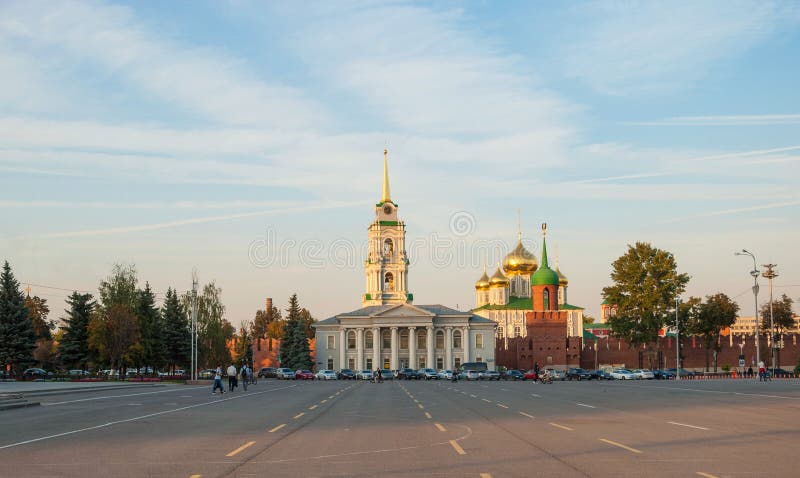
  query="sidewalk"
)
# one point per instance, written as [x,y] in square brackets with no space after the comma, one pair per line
[52,388]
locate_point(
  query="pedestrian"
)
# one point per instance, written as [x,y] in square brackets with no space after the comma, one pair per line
[231,377]
[750,371]
[245,373]
[762,371]
[218,381]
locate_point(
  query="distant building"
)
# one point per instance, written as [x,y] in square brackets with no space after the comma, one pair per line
[747,325]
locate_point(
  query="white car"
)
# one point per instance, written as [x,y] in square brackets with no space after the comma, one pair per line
[445,374]
[365,375]
[285,374]
[428,373]
[326,375]
[623,374]
[643,374]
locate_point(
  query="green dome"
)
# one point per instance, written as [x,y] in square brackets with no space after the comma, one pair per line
[544,276]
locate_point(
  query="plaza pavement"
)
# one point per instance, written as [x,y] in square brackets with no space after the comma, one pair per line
[469,429]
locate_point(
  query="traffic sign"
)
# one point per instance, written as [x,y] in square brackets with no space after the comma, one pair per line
[741,362]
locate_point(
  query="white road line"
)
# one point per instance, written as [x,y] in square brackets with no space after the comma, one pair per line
[117,396]
[561,426]
[487,401]
[473,396]
[427,415]
[501,405]
[535,395]
[128,420]
[526,415]
[687,425]
[584,405]
[299,415]
[135,404]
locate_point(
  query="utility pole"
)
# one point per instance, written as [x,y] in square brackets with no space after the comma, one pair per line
[194,324]
[770,274]
[754,273]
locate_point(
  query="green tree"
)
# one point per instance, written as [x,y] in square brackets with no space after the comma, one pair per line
[177,333]
[17,336]
[120,287]
[73,348]
[38,310]
[262,325]
[114,335]
[782,313]
[307,322]
[213,331]
[243,349]
[715,314]
[645,285]
[295,350]
[150,330]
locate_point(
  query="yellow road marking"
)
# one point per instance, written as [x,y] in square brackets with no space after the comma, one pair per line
[277,428]
[486,475]
[707,475]
[312,407]
[457,447]
[236,451]
[634,450]
[526,415]
[420,406]
[427,415]
[324,401]
[561,426]
[501,405]
[299,415]
[440,427]
[196,476]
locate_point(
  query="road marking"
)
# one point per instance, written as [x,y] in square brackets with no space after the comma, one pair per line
[584,405]
[277,428]
[487,401]
[135,404]
[331,396]
[707,475]
[501,405]
[634,450]
[486,475]
[428,415]
[313,407]
[420,406]
[535,395]
[142,417]
[457,447]
[299,415]
[687,425]
[243,447]
[561,426]
[324,401]
[526,415]
[196,476]
[440,427]
[416,401]
[473,396]
[118,396]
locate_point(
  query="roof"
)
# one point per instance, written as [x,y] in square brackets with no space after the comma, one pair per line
[596,326]
[589,336]
[439,309]
[367,311]
[481,320]
[570,307]
[329,321]
[514,303]
[436,309]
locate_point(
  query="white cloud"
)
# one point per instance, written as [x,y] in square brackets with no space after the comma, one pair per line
[725,120]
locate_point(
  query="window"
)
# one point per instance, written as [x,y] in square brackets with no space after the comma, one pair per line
[421,363]
[516,332]
[404,339]
[546,296]
[388,247]
[479,359]
[331,342]
[387,339]
[479,341]
[388,282]
[422,339]
[500,332]
[351,363]
[457,362]
[351,339]
[368,340]
[457,339]
[386,364]
[330,364]
[439,363]
[369,364]
[439,339]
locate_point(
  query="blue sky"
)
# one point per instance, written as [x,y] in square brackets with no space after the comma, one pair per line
[201,134]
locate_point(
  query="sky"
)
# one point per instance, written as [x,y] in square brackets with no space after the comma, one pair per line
[244,140]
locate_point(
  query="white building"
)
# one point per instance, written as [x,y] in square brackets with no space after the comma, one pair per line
[388,331]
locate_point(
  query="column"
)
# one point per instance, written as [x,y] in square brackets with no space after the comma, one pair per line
[395,353]
[448,348]
[429,336]
[412,348]
[465,344]
[360,348]
[342,348]
[376,348]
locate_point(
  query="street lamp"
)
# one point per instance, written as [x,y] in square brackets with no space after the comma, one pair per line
[754,273]
[771,274]
[677,342]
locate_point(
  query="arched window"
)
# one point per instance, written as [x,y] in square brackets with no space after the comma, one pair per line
[368,340]
[422,336]
[457,339]
[388,247]
[388,282]
[439,339]
[546,302]
[404,339]
[351,339]
[387,339]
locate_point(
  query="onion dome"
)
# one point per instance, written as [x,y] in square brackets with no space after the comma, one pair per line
[483,282]
[545,275]
[520,261]
[498,279]
[562,279]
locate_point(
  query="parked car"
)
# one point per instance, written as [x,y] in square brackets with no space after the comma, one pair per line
[779,372]
[366,375]
[489,375]
[303,375]
[326,375]
[285,374]
[346,374]
[428,374]
[36,373]
[470,375]
[684,372]
[78,372]
[387,374]
[577,373]
[644,374]
[445,374]
[530,375]
[600,375]
[206,373]
[512,375]
[408,374]
[623,374]
[556,374]
[267,372]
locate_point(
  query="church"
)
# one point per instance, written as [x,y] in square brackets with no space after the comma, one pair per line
[389,331]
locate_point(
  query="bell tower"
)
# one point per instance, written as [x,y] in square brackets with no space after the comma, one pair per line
[386,267]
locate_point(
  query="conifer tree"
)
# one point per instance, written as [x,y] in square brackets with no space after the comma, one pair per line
[150,330]
[74,345]
[295,351]
[17,337]
[177,336]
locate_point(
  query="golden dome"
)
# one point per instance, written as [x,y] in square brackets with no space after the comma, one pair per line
[483,282]
[520,261]
[498,279]
[562,279]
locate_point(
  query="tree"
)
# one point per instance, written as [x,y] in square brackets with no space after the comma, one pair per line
[243,350]
[783,316]
[120,287]
[38,311]
[646,283]
[17,337]
[150,330]
[307,322]
[114,333]
[213,331]
[73,348]
[263,325]
[295,351]
[177,335]
[588,319]
[715,314]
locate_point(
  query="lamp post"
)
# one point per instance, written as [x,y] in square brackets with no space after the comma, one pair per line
[770,274]
[754,273]
[677,342]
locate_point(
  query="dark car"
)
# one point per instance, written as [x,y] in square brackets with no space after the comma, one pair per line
[684,372]
[387,374]
[346,374]
[779,372]
[578,374]
[512,375]
[267,372]
[408,374]
[600,375]
[663,375]
[36,373]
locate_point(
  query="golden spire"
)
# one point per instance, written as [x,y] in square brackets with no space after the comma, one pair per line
[519,227]
[385,197]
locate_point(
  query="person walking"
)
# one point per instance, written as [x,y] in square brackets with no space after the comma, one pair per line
[762,371]
[245,373]
[218,381]
[231,377]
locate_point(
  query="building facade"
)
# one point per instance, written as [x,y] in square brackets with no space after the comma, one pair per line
[388,331]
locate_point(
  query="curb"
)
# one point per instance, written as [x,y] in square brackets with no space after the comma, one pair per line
[12,406]
[45,393]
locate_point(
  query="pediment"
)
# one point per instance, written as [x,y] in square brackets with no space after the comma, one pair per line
[404,310]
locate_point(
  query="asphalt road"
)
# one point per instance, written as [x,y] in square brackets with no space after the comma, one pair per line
[477,429]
